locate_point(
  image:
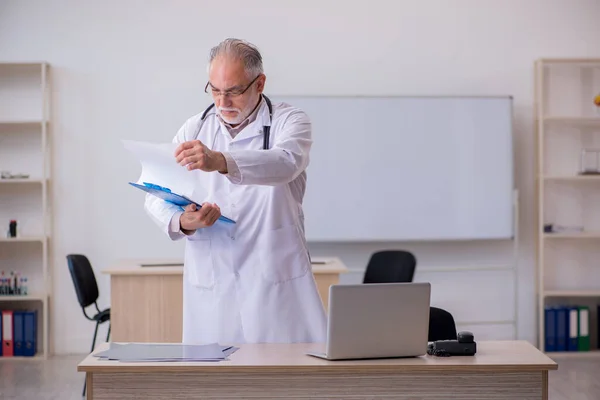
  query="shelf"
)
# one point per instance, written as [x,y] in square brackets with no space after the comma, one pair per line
[572,235]
[572,178]
[567,122]
[25,105]
[24,64]
[37,357]
[20,181]
[23,239]
[573,354]
[572,293]
[21,123]
[29,297]
[576,121]
[571,62]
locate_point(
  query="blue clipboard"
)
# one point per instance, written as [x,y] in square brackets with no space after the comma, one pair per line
[173,198]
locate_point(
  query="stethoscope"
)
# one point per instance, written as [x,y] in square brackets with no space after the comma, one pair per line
[266,128]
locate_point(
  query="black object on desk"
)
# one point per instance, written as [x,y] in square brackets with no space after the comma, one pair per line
[463,345]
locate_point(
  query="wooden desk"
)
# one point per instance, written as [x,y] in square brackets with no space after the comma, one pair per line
[499,370]
[147,301]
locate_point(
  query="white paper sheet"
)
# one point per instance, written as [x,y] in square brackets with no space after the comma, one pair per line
[147,352]
[160,167]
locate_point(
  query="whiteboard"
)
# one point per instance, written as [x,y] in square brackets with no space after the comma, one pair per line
[408,168]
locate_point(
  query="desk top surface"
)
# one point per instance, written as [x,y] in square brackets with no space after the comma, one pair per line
[491,356]
[321,265]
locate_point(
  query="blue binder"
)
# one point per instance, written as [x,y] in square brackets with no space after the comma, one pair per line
[18,334]
[30,333]
[173,198]
[562,329]
[550,328]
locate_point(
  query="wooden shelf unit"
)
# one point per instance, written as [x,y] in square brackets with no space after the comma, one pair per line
[566,122]
[25,148]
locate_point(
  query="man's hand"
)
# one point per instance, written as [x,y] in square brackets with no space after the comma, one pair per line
[193,219]
[195,155]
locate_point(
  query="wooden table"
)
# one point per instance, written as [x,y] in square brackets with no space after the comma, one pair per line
[146,297]
[499,370]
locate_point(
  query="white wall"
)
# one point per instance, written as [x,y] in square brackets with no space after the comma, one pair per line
[137,69]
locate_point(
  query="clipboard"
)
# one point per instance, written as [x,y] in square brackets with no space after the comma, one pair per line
[173,198]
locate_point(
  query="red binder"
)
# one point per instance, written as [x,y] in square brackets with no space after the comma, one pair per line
[7,334]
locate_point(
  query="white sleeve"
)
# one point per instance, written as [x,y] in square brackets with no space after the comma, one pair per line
[280,164]
[164,214]
[233,172]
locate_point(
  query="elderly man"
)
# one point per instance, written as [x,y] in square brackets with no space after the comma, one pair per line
[250,281]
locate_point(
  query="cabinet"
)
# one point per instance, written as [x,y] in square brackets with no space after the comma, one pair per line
[567,165]
[25,161]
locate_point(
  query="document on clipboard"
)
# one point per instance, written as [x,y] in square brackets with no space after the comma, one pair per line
[163,177]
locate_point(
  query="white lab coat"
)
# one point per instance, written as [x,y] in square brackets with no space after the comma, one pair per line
[251,282]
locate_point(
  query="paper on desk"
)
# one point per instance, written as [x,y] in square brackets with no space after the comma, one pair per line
[142,352]
[227,351]
[160,167]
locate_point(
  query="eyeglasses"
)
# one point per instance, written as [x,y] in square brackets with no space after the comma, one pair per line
[233,92]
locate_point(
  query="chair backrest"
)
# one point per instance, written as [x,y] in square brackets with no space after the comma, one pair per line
[84,279]
[390,266]
[441,325]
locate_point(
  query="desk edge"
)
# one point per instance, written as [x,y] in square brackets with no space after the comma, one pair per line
[115,367]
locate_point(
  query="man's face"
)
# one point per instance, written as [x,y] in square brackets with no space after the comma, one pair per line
[227,80]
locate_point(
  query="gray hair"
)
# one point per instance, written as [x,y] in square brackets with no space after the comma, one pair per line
[241,50]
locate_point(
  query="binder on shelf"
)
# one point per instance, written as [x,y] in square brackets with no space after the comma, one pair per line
[1,342]
[550,328]
[18,339]
[573,339]
[30,333]
[7,333]
[562,330]
[598,327]
[584,331]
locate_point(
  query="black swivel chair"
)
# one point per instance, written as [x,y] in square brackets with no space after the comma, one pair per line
[441,325]
[86,289]
[388,266]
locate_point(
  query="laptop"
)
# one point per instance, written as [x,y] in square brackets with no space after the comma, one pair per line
[377,320]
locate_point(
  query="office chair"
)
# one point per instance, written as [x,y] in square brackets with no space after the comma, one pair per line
[390,266]
[86,289]
[441,325]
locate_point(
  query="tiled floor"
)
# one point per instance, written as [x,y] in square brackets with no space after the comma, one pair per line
[53,379]
[57,379]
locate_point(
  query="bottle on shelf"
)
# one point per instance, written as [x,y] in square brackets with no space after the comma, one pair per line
[2,284]
[13,284]
[12,228]
[17,285]
[11,232]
